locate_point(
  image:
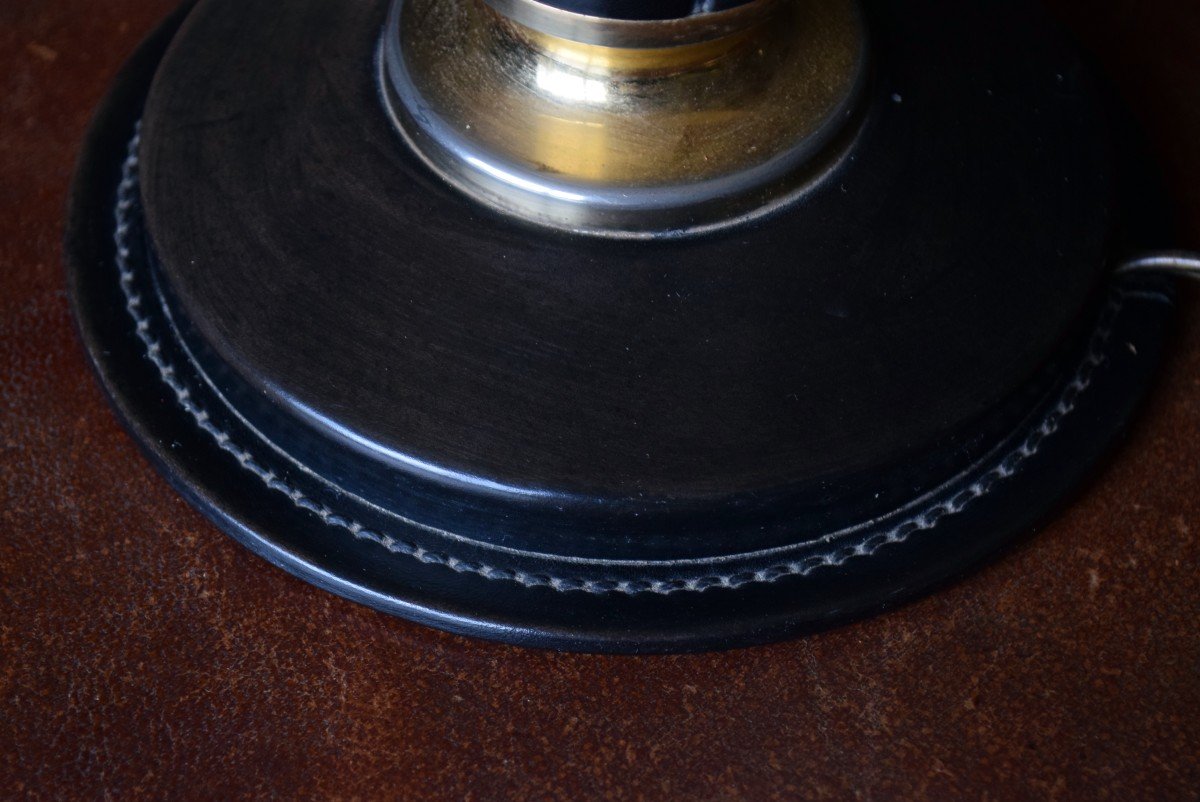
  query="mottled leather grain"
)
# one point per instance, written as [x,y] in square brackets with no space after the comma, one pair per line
[144,655]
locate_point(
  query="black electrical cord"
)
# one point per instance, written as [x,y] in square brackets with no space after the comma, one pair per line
[1185,264]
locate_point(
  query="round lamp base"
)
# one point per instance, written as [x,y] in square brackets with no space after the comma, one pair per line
[559,441]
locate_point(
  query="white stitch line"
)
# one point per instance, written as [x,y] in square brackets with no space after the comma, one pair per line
[897,534]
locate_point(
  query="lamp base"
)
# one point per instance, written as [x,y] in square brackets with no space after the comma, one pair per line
[613,446]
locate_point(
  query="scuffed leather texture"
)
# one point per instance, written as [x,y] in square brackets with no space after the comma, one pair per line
[144,655]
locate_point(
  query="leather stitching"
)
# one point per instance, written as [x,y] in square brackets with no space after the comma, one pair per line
[924,521]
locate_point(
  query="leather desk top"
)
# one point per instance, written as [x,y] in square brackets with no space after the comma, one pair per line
[144,655]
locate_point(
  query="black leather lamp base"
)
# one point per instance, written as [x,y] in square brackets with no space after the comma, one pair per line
[582,444]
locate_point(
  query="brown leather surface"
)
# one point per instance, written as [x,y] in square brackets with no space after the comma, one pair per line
[144,655]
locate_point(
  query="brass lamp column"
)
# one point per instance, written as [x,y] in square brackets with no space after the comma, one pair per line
[627,128]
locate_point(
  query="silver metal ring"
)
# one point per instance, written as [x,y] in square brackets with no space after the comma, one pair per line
[632,33]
